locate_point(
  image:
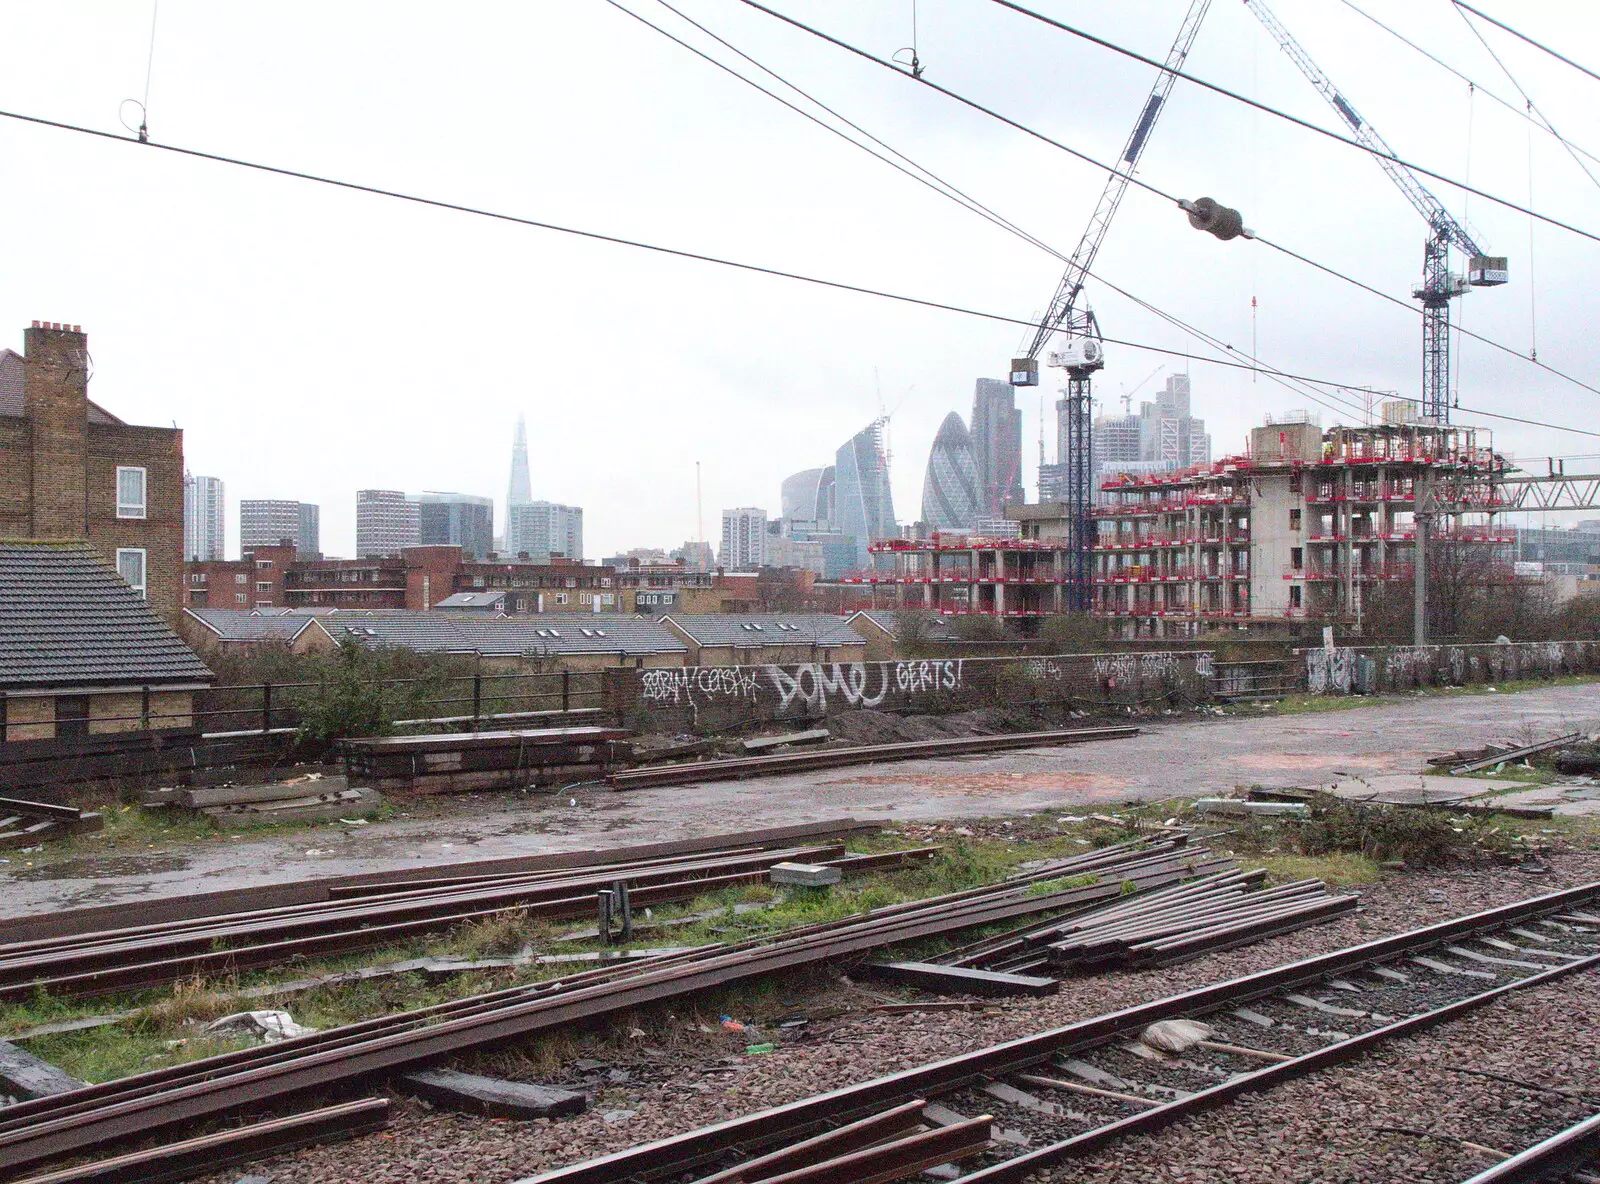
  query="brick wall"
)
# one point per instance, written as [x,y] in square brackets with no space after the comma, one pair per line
[159,451]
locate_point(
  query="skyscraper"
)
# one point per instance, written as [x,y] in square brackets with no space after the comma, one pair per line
[863,504]
[204,518]
[462,519]
[545,528]
[744,537]
[266,523]
[950,488]
[997,446]
[386,521]
[520,492]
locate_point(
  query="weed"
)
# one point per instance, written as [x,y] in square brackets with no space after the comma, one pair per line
[504,933]
[1044,887]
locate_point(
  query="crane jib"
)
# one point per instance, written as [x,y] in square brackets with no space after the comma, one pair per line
[1347,111]
[1146,121]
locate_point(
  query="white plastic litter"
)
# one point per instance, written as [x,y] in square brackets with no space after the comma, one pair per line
[270,1026]
[1176,1035]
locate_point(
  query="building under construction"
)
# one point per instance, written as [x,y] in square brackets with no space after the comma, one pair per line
[1303,527]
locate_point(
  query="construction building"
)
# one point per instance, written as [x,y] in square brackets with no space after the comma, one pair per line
[959,574]
[1303,527]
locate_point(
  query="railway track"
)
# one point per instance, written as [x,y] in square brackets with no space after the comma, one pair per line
[1005,1112]
[1572,1155]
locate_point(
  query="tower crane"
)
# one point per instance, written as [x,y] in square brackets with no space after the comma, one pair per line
[1083,351]
[1439,284]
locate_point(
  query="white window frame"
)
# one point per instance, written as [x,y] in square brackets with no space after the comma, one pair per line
[143,585]
[131,509]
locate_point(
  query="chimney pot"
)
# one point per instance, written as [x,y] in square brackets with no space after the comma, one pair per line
[36,325]
[77,328]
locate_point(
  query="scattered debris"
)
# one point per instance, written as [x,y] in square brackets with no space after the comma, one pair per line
[961,980]
[765,743]
[270,1026]
[490,1096]
[808,875]
[1243,806]
[24,823]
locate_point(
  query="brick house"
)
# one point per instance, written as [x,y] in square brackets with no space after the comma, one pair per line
[81,654]
[69,469]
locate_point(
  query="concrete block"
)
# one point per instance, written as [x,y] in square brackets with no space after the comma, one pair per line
[809,875]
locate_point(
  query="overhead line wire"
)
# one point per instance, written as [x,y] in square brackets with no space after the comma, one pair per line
[1200,82]
[1161,193]
[946,189]
[1519,112]
[598,236]
[1529,40]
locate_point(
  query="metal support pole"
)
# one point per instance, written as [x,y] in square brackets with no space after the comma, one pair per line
[477,697]
[1419,608]
[566,690]
[266,707]
[605,901]
[619,890]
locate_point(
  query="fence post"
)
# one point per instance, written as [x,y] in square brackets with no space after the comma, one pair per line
[144,708]
[266,707]
[566,689]
[477,697]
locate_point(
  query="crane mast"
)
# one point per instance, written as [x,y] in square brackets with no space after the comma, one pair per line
[1439,285]
[1083,352]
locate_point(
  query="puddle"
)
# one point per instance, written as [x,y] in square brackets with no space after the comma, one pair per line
[103,867]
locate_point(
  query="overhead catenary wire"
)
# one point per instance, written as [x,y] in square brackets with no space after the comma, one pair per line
[1539,45]
[1471,82]
[616,240]
[948,190]
[1159,192]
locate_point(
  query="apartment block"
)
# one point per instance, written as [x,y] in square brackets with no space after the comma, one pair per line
[386,522]
[545,528]
[744,537]
[462,520]
[204,518]
[266,522]
[69,469]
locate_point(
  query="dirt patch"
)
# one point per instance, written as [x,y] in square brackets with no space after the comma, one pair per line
[99,867]
[989,783]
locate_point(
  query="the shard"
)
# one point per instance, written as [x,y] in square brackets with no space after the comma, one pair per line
[521,491]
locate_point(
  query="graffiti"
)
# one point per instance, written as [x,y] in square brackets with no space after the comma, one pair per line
[698,684]
[1398,667]
[916,678]
[1114,668]
[1331,670]
[816,685]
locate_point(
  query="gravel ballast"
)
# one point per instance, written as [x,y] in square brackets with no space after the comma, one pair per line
[670,1079]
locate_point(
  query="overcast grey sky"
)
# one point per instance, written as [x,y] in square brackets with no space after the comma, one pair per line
[312,342]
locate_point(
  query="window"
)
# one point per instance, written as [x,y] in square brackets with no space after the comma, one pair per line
[240,578]
[1294,482]
[130,492]
[130,566]
[561,598]
[1295,595]
[238,597]
[263,585]
[72,717]
[1297,557]
[263,563]
[1294,519]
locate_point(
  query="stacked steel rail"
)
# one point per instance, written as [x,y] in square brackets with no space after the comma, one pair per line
[100,1116]
[1268,1028]
[829,758]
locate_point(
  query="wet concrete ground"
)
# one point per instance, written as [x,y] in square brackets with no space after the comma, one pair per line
[1190,757]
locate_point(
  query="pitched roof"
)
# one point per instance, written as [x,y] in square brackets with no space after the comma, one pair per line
[472,600]
[748,630]
[244,625]
[887,621]
[13,401]
[66,619]
[545,633]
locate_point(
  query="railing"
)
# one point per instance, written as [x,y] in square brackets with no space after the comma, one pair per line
[465,702]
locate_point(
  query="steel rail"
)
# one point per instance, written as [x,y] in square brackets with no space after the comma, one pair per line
[1552,1159]
[1018,1168]
[685,1152]
[721,770]
[73,922]
[46,1128]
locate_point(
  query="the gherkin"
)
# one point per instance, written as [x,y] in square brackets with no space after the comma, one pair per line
[950,488]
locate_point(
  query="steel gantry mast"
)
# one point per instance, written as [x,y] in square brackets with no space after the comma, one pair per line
[1439,285]
[1083,352]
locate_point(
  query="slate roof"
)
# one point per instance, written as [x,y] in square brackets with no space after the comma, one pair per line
[14,402]
[937,627]
[68,620]
[545,633]
[472,600]
[748,630]
[244,625]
